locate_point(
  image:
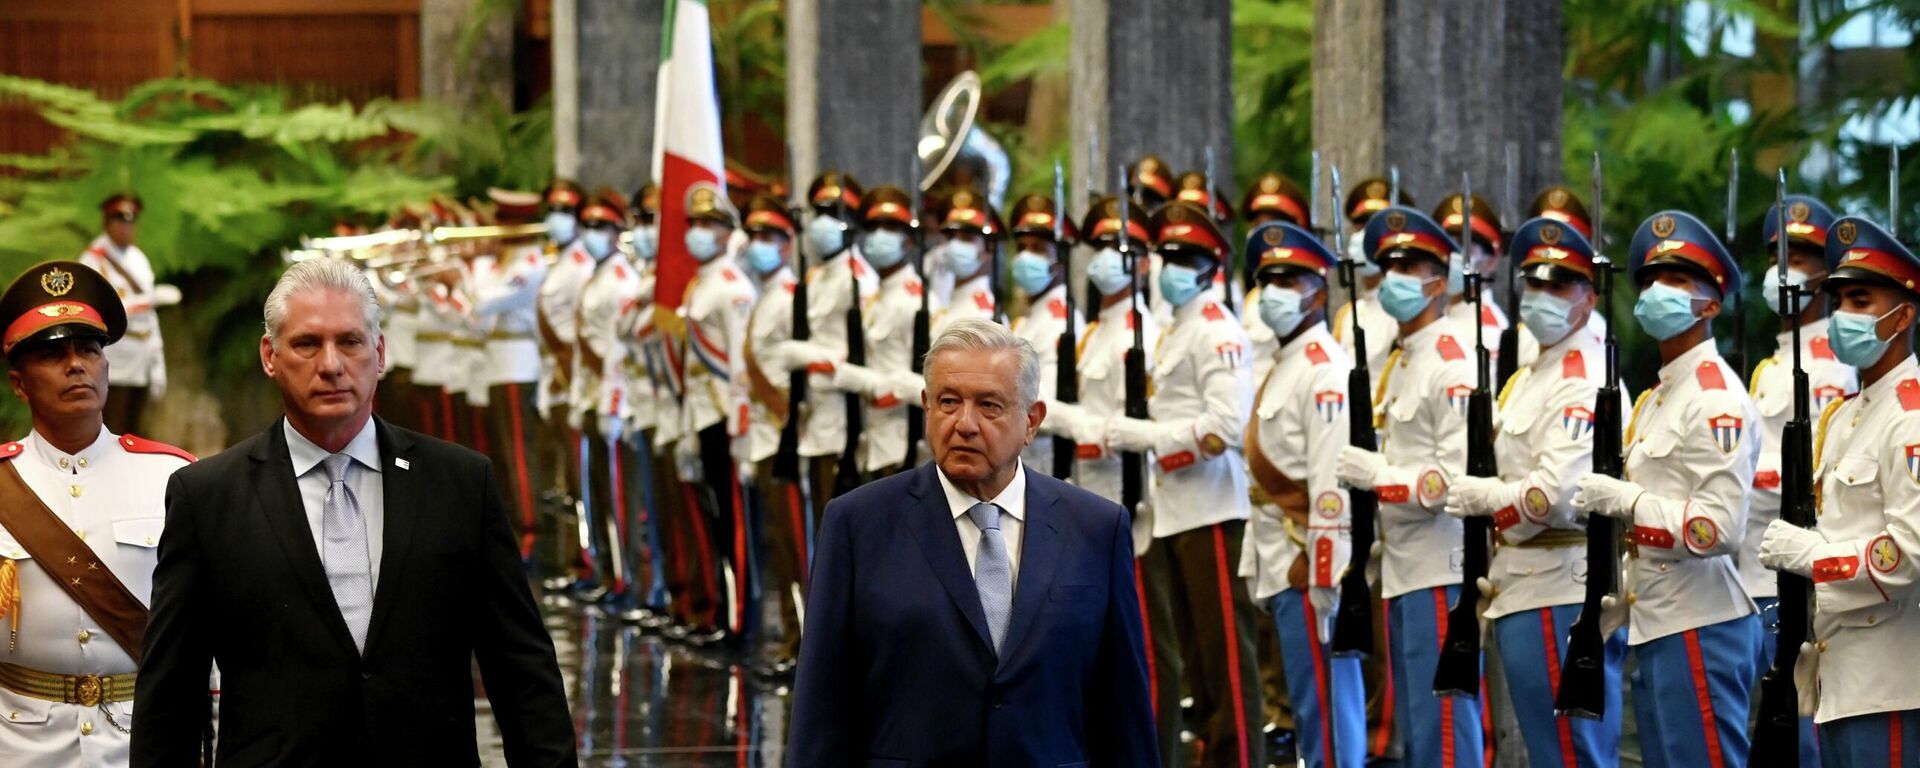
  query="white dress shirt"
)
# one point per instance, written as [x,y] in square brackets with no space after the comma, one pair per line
[367,486]
[1012,502]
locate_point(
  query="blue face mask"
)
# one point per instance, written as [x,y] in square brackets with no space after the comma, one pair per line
[1855,340]
[963,257]
[1404,296]
[824,235]
[1547,317]
[1032,272]
[1179,284]
[702,244]
[1770,287]
[1282,309]
[1108,272]
[1664,311]
[763,257]
[599,242]
[562,227]
[646,241]
[884,248]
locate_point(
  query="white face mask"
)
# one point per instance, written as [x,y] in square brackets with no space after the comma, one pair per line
[963,257]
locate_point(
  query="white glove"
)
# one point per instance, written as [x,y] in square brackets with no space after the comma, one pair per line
[1788,547]
[157,378]
[612,428]
[1613,615]
[576,419]
[1142,529]
[686,459]
[794,355]
[1124,434]
[1602,495]
[1472,496]
[1325,600]
[1359,467]
[164,295]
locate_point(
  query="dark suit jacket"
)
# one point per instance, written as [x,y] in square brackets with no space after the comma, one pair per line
[240,582]
[897,668]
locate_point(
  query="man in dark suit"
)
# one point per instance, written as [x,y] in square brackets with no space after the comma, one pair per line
[970,612]
[344,573]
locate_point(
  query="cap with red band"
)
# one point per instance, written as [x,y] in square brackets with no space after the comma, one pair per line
[1860,250]
[1677,238]
[57,300]
[1398,232]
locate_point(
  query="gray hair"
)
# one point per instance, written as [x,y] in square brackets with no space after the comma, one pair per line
[319,275]
[976,335]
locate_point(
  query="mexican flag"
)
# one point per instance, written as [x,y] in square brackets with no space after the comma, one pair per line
[686,139]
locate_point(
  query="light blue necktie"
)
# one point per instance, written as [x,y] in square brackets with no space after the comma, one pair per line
[343,536]
[992,571]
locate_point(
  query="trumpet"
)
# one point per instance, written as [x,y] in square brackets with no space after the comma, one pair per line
[399,246]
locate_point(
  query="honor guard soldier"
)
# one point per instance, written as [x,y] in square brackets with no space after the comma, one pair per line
[1482,257]
[138,362]
[1421,411]
[558,316]
[513,361]
[718,300]
[836,272]
[600,390]
[1273,197]
[1560,204]
[887,383]
[1298,538]
[395,399]
[1193,189]
[81,510]
[652,413]
[1039,273]
[1867,476]
[774,501]
[1151,183]
[1544,442]
[1691,448]
[1808,226]
[1202,390]
[973,233]
[439,361]
[1369,197]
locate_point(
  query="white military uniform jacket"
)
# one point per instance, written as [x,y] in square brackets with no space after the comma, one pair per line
[436,358]
[1299,424]
[1421,399]
[823,432]
[1543,439]
[718,301]
[612,291]
[887,382]
[1379,326]
[1828,380]
[971,299]
[1692,446]
[509,298]
[1103,395]
[138,359]
[398,320]
[770,323]
[1865,616]
[1046,319]
[112,495]
[559,308]
[1201,387]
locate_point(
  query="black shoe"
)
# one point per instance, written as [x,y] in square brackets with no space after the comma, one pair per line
[654,622]
[590,594]
[1281,749]
[557,583]
[676,631]
[707,637]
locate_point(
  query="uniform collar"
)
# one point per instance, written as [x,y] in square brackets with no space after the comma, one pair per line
[899,277]
[1037,308]
[1317,333]
[1689,360]
[1907,369]
[1581,339]
[1012,499]
[719,264]
[1192,307]
[1118,312]
[1426,336]
[980,284]
[364,448]
[87,458]
[780,276]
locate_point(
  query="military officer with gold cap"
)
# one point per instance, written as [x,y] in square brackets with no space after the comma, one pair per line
[1040,274]
[1272,197]
[1367,198]
[1867,474]
[887,383]
[837,276]
[81,511]
[1481,256]
[973,231]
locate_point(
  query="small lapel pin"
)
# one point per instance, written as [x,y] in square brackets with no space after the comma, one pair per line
[402,463]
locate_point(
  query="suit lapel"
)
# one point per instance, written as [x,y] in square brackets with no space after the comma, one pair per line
[1039,552]
[401,496]
[278,494]
[933,527]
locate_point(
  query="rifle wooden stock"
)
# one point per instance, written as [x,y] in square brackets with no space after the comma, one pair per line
[1458,673]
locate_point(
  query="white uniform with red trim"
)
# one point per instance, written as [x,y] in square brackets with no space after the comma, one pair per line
[1544,442]
[399,316]
[1046,319]
[887,382]
[509,297]
[715,310]
[1379,326]
[1201,387]
[770,323]
[1865,613]
[1828,379]
[1493,321]
[436,358]
[470,330]
[138,359]
[1693,448]
[1103,394]
[971,299]
[829,296]
[558,303]
[1422,418]
[1300,421]
[1265,343]
[612,292]
[112,494]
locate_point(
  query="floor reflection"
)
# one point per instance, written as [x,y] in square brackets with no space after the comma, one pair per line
[639,700]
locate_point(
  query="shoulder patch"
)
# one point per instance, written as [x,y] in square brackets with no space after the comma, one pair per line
[1058,308]
[619,272]
[1449,348]
[915,288]
[1488,317]
[1317,355]
[1821,349]
[1909,395]
[1709,376]
[789,285]
[580,257]
[983,300]
[1213,311]
[1573,366]
[10,450]
[136,444]
[728,275]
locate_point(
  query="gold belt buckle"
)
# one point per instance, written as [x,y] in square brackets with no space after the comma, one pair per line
[87,690]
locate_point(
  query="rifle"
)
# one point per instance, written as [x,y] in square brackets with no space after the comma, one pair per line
[1133,464]
[1458,673]
[1353,620]
[1776,735]
[786,458]
[1739,308]
[848,476]
[1393,185]
[1091,178]
[1066,381]
[1510,336]
[922,328]
[1583,683]
[1226,296]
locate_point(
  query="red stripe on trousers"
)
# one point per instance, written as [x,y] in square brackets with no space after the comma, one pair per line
[1701,692]
[520,470]
[1320,681]
[1446,702]
[705,546]
[1553,683]
[1146,636]
[1893,740]
[1385,732]
[479,429]
[426,417]
[738,615]
[619,512]
[1233,643]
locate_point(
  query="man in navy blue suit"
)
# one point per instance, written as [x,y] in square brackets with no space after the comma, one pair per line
[970,612]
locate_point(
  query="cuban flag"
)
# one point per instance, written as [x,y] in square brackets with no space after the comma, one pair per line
[686,140]
[1913,463]
[1459,396]
[1726,431]
[1578,421]
[1822,395]
[1330,404]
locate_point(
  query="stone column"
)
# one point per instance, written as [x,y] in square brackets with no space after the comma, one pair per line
[853,88]
[466,53]
[606,60]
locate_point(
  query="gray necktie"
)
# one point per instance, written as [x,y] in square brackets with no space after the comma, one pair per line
[343,536]
[992,571]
